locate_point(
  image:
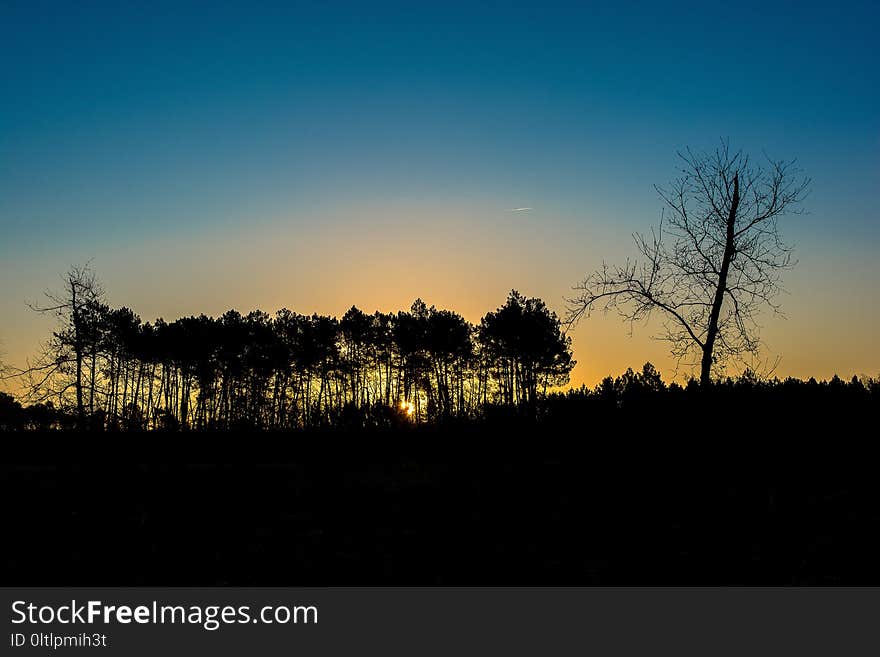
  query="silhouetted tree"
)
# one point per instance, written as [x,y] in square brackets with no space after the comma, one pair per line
[527,348]
[714,262]
[383,346]
[449,349]
[410,333]
[121,332]
[60,366]
[356,333]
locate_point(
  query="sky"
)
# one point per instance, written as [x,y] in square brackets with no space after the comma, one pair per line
[315,156]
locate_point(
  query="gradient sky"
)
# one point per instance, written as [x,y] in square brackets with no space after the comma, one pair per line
[319,155]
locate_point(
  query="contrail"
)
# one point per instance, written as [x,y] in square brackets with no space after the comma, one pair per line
[519,209]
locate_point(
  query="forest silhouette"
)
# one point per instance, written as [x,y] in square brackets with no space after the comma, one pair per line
[106,369]
[708,270]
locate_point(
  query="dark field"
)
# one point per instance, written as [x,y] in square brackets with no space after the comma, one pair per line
[464,506]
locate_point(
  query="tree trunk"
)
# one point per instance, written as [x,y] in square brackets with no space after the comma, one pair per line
[78,350]
[718,301]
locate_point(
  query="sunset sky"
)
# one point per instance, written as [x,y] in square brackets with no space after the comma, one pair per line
[222,155]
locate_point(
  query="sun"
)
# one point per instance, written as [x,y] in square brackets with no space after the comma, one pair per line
[408,407]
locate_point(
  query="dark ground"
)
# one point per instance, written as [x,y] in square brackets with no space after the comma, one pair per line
[461,506]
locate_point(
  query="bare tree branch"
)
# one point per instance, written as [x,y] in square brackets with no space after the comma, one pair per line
[714,262]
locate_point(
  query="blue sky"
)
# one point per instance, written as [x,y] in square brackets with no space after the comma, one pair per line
[125,127]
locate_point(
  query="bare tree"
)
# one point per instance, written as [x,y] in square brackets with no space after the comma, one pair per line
[59,367]
[714,262]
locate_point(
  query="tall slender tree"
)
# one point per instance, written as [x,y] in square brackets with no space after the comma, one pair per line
[61,363]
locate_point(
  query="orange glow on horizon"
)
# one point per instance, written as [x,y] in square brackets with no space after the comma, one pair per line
[462,259]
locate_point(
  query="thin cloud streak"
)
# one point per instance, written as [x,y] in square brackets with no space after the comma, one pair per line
[520,209]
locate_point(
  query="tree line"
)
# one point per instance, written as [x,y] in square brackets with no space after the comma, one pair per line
[109,369]
[708,270]
[640,399]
